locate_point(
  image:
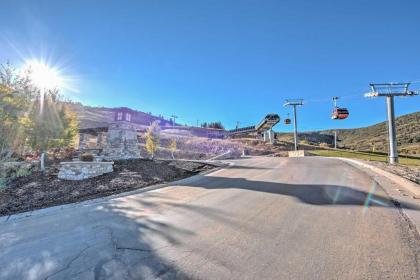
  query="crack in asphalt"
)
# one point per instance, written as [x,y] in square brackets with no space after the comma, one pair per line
[134,249]
[68,265]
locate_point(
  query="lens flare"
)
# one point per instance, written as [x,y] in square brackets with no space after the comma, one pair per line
[47,77]
[43,76]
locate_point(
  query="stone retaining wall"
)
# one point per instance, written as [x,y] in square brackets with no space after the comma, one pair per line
[121,142]
[79,170]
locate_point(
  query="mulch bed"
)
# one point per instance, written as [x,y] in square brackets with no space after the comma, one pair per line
[37,191]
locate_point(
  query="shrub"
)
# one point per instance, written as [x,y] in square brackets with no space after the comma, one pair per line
[152,139]
[324,145]
[86,157]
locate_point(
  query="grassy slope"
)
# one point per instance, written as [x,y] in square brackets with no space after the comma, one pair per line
[364,156]
[364,139]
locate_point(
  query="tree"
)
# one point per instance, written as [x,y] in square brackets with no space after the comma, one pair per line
[152,138]
[51,124]
[23,124]
[16,93]
[172,146]
[217,125]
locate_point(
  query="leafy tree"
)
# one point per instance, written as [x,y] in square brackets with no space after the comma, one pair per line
[172,146]
[23,124]
[152,138]
[16,93]
[51,124]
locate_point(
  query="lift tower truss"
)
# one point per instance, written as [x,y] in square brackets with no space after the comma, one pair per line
[389,90]
[294,103]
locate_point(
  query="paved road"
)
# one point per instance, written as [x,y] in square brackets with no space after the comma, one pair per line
[264,218]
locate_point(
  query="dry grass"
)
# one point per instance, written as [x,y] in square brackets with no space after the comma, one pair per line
[365,156]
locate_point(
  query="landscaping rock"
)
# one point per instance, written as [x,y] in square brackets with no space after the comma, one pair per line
[79,170]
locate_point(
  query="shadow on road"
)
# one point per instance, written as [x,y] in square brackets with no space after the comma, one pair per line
[110,241]
[310,194]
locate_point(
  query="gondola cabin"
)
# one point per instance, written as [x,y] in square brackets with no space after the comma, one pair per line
[340,113]
[287,121]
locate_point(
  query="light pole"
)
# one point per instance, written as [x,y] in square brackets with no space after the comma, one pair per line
[389,90]
[335,131]
[174,117]
[294,103]
[335,139]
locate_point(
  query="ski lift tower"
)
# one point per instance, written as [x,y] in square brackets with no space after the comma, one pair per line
[389,90]
[294,103]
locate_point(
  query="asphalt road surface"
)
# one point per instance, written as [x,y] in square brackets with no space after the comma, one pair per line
[263,218]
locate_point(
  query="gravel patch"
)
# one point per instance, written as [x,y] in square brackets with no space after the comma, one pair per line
[411,173]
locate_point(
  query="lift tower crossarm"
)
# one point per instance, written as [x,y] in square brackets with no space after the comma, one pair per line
[293,102]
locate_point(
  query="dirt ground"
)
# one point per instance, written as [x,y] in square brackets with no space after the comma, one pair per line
[37,191]
[411,173]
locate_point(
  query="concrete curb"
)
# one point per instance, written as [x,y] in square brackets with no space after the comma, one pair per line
[406,184]
[100,200]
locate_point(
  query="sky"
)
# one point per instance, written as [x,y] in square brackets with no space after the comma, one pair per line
[223,60]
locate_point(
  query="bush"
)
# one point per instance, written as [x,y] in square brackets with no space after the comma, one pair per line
[324,145]
[86,157]
[12,170]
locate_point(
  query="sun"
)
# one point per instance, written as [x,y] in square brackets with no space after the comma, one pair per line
[44,76]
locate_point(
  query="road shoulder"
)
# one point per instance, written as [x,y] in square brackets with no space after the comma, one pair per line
[400,190]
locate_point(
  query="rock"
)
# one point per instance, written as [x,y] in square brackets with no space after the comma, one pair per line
[79,170]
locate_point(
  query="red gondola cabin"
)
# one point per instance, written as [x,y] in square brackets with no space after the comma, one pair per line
[340,113]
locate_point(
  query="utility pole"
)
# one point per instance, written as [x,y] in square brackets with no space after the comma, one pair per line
[294,103]
[390,90]
[335,139]
[335,131]
[174,117]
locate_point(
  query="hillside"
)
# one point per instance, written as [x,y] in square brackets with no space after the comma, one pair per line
[375,137]
[371,138]
[90,117]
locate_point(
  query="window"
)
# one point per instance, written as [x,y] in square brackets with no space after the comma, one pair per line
[119,116]
[128,117]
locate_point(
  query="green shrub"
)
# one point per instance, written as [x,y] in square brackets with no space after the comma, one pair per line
[22,172]
[324,145]
[86,157]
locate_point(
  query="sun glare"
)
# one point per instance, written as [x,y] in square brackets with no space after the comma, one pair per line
[46,77]
[43,76]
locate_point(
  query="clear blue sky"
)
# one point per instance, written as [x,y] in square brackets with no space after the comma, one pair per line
[223,60]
